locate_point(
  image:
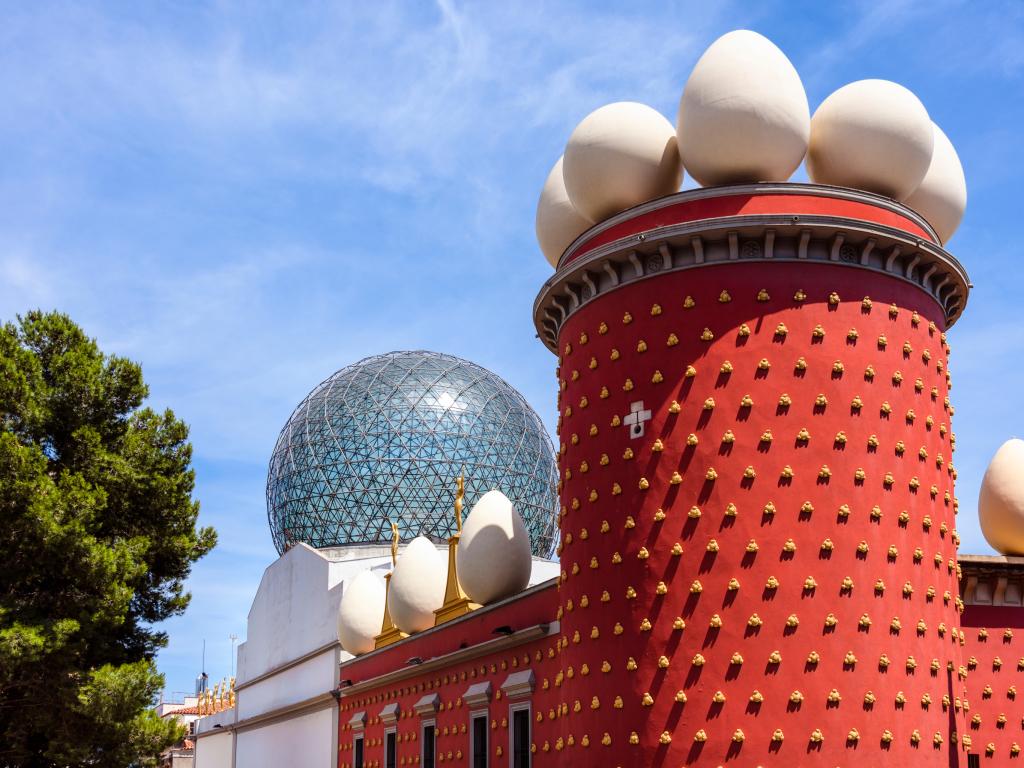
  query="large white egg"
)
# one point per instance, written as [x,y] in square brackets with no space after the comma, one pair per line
[1001,500]
[558,223]
[620,155]
[361,612]
[493,556]
[743,116]
[873,135]
[942,196]
[417,586]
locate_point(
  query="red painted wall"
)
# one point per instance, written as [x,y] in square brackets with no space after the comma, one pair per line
[620,568]
[453,719]
[994,654]
[453,743]
[623,516]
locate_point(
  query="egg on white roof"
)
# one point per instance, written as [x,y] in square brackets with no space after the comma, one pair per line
[873,135]
[493,556]
[743,115]
[417,586]
[361,612]
[620,155]
[942,195]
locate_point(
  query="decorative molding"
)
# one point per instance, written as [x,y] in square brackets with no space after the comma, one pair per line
[455,657]
[775,237]
[519,685]
[992,580]
[334,644]
[428,705]
[287,712]
[477,695]
[358,721]
[759,189]
[389,715]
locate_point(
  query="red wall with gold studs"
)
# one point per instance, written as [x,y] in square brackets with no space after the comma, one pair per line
[994,656]
[453,717]
[767,576]
[550,707]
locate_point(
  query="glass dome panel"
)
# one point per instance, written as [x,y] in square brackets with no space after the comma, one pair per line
[384,439]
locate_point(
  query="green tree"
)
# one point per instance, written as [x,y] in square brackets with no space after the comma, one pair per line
[97,535]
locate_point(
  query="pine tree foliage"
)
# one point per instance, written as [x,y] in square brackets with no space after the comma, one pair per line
[97,536]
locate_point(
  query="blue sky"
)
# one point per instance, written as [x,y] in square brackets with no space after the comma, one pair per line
[245,197]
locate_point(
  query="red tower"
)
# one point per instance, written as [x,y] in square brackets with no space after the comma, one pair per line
[758,518]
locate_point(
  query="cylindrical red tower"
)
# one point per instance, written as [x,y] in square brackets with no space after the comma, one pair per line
[758,545]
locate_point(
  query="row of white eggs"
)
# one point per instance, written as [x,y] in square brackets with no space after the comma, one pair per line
[493,560]
[744,117]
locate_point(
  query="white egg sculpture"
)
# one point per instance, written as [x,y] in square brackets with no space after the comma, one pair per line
[558,223]
[743,116]
[1001,500]
[493,557]
[417,586]
[942,195]
[361,612]
[620,155]
[873,135]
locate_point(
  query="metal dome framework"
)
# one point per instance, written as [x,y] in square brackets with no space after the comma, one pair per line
[383,440]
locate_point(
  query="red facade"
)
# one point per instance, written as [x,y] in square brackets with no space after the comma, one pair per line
[759,549]
[994,655]
[447,661]
[791,494]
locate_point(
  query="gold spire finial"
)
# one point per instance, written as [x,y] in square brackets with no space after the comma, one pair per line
[455,601]
[394,544]
[460,492]
[389,633]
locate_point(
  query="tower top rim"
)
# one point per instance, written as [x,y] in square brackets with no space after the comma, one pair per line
[776,222]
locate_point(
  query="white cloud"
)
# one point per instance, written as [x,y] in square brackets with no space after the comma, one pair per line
[246,198]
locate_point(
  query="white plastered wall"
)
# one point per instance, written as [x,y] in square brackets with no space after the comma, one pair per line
[295,610]
[215,750]
[306,741]
[313,677]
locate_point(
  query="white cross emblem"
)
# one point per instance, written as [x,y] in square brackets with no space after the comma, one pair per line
[636,418]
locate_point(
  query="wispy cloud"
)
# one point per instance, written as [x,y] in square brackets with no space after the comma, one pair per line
[246,198]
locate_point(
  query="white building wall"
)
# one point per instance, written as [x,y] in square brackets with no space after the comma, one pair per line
[224,719]
[295,611]
[215,751]
[306,742]
[311,678]
[542,570]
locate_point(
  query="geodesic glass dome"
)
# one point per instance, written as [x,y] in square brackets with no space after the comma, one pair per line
[384,440]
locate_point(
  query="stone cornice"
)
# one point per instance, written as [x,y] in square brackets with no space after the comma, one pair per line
[763,237]
[992,580]
[450,659]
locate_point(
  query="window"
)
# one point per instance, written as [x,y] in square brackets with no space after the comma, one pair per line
[429,742]
[357,749]
[390,748]
[479,745]
[521,736]
[974,761]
